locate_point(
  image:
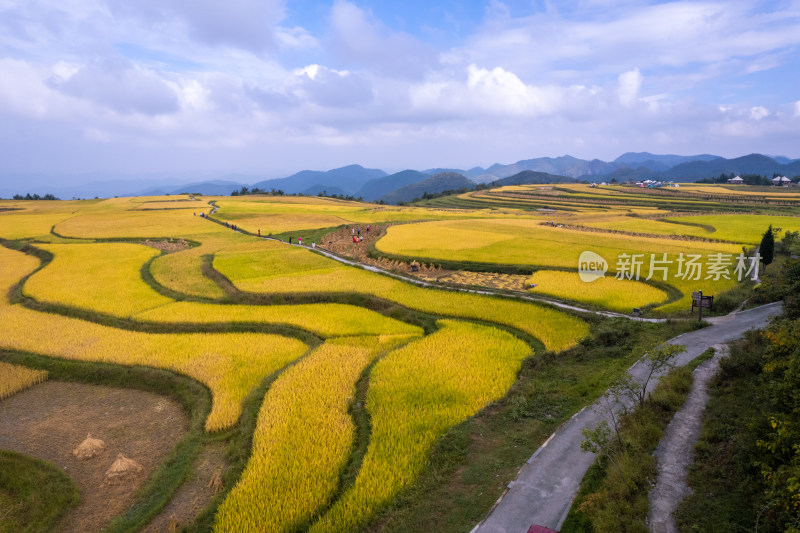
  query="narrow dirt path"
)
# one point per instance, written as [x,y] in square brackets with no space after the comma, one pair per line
[675,452]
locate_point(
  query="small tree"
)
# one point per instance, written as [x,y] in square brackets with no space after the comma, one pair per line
[599,441]
[658,359]
[624,393]
[767,246]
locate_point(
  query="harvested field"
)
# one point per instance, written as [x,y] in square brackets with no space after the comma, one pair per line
[194,494]
[50,420]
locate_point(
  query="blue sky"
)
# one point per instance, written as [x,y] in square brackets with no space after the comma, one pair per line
[272,87]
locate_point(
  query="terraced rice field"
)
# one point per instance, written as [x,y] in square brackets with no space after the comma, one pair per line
[416,393]
[276,271]
[300,343]
[274,215]
[300,447]
[746,229]
[230,364]
[453,371]
[530,244]
[607,292]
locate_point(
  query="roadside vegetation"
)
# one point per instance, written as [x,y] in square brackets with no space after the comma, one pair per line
[747,462]
[613,493]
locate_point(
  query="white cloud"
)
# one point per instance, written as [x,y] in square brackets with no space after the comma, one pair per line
[295,38]
[629,84]
[171,76]
[249,24]
[758,112]
[121,87]
[332,88]
[24,93]
[497,92]
[595,42]
[359,38]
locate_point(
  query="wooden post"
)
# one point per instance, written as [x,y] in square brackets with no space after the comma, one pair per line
[700,308]
[697,299]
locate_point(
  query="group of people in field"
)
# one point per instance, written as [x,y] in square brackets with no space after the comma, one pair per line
[356,232]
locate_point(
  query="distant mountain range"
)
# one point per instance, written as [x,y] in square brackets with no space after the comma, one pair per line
[374,184]
[440,182]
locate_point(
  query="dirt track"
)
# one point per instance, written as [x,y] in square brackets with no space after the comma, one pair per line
[675,452]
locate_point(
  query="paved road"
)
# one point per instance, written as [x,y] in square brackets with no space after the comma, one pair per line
[544,489]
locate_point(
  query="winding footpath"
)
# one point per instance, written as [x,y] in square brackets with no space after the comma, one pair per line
[524,297]
[675,452]
[544,489]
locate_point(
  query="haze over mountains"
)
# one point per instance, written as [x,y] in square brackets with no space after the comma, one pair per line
[376,184]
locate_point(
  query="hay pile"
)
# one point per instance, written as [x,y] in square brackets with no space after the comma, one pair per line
[215,483]
[89,448]
[122,470]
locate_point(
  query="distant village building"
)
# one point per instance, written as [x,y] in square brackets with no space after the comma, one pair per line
[781,180]
[736,181]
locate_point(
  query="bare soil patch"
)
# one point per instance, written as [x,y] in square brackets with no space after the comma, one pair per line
[510,282]
[195,494]
[169,246]
[341,242]
[50,420]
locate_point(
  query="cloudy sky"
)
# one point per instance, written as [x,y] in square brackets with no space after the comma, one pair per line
[272,87]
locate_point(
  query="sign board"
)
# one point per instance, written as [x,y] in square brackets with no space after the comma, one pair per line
[698,300]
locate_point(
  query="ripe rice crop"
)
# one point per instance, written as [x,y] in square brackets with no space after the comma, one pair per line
[521,242]
[102,277]
[326,320]
[273,272]
[416,394]
[35,219]
[528,243]
[230,364]
[183,271]
[281,214]
[737,190]
[643,225]
[746,229]
[618,295]
[303,438]
[14,378]
[114,223]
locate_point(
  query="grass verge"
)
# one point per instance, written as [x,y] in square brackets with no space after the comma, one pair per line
[613,494]
[34,494]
